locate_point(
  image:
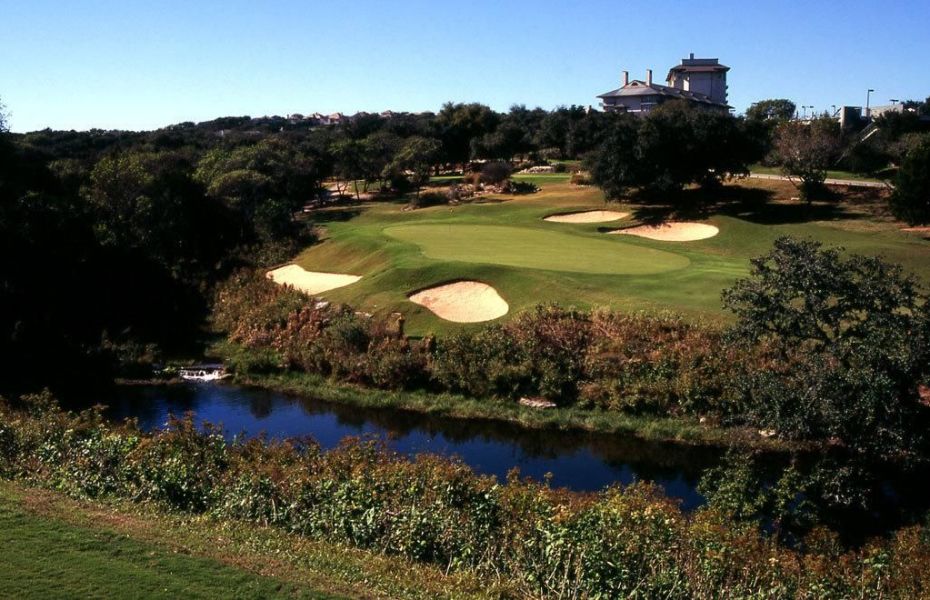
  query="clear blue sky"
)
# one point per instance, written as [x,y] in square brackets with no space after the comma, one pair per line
[140,65]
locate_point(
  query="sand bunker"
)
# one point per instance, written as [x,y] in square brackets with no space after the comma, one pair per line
[589,216]
[463,302]
[672,232]
[916,229]
[311,282]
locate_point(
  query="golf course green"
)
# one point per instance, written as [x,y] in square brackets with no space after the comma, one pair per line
[530,248]
[504,242]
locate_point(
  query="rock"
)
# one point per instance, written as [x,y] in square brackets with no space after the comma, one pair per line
[537,402]
[766,433]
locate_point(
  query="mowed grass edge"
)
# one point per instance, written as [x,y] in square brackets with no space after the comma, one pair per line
[55,546]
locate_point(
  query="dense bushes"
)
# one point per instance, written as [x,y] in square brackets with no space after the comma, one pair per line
[316,337]
[618,543]
[615,361]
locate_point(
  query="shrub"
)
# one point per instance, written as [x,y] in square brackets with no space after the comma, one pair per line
[495,172]
[519,187]
[910,200]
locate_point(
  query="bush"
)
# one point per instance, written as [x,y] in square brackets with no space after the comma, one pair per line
[619,542]
[847,340]
[495,173]
[910,200]
[519,187]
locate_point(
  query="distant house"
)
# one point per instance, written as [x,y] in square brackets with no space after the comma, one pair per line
[700,81]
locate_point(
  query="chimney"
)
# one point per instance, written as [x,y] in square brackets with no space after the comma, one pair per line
[691,57]
[626,77]
[648,76]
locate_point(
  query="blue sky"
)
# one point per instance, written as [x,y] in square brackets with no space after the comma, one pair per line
[141,65]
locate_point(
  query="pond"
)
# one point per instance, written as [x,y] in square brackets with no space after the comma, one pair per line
[581,461]
[577,460]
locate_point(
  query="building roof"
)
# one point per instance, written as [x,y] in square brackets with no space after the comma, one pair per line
[640,88]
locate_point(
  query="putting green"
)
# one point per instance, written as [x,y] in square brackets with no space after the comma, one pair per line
[530,248]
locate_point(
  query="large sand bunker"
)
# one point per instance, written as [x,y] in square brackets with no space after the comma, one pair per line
[672,231]
[462,302]
[588,216]
[311,282]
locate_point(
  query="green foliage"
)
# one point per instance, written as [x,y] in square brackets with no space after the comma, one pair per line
[674,145]
[737,489]
[620,542]
[416,158]
[771,110]
[848,339]
[806,151]
[910,200]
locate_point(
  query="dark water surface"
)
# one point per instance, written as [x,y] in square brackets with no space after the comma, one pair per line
[577,460]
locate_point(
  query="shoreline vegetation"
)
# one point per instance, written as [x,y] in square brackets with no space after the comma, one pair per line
[519,538]
[681,430]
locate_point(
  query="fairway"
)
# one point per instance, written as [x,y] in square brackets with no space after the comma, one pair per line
[536,249]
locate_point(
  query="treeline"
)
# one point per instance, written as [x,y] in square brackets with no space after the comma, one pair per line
[534,541]
[826,348]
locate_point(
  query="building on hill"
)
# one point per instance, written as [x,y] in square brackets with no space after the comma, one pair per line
[699,81]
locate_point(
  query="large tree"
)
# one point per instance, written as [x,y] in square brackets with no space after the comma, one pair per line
[777,110]
[845,342]
[458,124]
[415,159]
[806,150]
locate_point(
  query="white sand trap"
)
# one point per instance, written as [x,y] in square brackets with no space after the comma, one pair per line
[463,302]
[311,282]
[589,216]
[672,232]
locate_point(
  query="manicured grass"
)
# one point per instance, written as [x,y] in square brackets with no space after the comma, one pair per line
[57,547]
[763,170]
[504,242]
[43,557]
[531,248]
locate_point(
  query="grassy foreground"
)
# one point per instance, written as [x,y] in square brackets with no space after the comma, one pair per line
[57,547]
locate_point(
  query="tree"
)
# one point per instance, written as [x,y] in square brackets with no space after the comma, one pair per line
[458,124]
[675,145]
[771,110]
[806,151]
[910,200]
[350,156]
[416,158]
[848,343]
[4,128]
[265,183]
[615,166]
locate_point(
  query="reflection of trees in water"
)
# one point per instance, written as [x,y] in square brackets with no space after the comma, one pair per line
[648,460]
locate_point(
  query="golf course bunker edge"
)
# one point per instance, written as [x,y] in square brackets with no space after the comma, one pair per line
[310,282]
[587,216]
[672,231]
[464,301]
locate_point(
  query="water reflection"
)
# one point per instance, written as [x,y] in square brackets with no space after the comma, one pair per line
[577,460]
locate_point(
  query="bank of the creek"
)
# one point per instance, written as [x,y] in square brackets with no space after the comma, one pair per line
[579,460]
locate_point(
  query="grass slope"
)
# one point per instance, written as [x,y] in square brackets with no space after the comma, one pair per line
[57,547]
[46,558]
[505,243]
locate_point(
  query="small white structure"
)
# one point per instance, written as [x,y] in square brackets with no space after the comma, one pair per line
[211,372]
